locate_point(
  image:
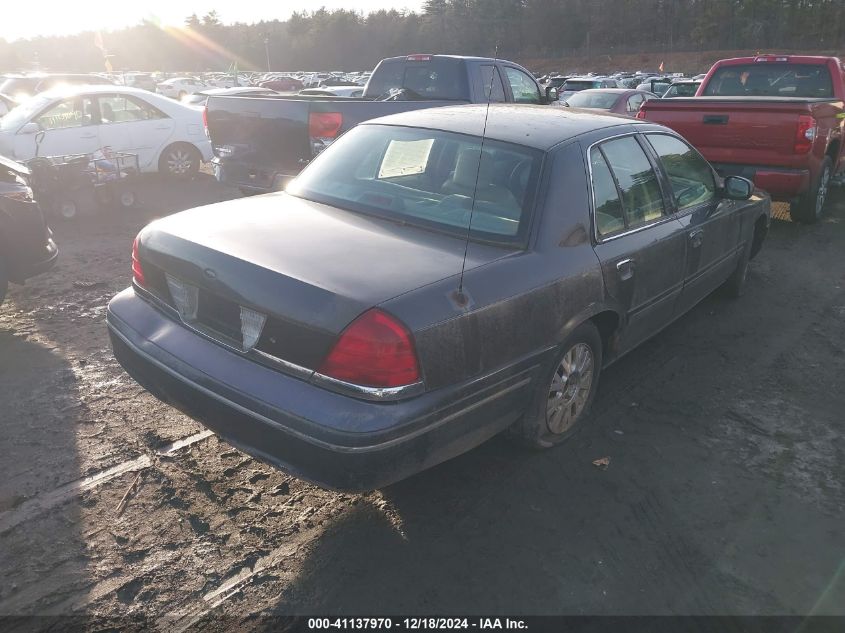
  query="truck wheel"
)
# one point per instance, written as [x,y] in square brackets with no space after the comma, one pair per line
[4,281]
[810,206]
[180,160]
[565,392]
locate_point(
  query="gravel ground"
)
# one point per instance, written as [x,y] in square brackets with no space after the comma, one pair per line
[724,493]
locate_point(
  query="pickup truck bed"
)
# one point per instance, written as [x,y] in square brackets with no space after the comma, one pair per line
[260,143]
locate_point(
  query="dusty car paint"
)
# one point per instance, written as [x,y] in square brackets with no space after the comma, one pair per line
[313,269]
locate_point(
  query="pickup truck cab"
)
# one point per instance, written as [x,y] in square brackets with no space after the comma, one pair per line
[261,143]
[778,120]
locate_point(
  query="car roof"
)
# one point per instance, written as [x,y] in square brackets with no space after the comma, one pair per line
[74,89]
[540,127]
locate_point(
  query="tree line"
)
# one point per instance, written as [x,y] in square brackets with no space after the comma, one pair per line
[518,29]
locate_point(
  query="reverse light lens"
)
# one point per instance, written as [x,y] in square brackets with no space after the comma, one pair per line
[252,323]
[185,298]
[375,350]
[137,270]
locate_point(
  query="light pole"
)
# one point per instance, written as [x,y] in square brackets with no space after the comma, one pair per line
[267,51]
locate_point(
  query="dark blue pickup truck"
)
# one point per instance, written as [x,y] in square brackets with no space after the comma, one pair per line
[260,143]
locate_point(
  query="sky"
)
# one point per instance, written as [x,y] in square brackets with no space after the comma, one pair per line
[30,18]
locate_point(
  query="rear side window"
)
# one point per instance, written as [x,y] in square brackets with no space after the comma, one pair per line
[609,216]
[771,79]
[642,197]
[491,84]
[689,174]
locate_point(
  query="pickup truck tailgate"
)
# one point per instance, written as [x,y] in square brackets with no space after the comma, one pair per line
[727,130]
[260,131]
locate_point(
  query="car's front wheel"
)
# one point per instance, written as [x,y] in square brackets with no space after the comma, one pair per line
[563,397]
[179,160]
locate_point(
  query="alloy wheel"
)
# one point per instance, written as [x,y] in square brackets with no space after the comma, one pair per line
[179,162]
[570,389]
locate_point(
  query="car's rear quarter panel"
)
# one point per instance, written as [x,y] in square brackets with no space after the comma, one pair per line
[521,306]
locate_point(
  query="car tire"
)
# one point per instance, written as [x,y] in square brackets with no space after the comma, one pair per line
[810,207]
[564,386]
[180,161]
[4,281]
[66,209]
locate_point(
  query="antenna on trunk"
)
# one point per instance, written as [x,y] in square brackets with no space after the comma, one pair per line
[461,298]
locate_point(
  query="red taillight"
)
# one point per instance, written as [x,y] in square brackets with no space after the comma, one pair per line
[137,271]
[324,124]
[375,350]
[205,121]
[640,113]
[418,58]
[805,134]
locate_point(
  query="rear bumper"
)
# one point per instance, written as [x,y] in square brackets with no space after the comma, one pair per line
[251,178]
[333,440]
[783,184]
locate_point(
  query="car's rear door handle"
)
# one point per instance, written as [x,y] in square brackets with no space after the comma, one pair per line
[716,119]
[696,238]
[625,268]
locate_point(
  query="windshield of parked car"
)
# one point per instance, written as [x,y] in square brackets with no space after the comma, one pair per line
[428,178]
[578,85]
[771,79]
[435,78]
[598,100]
[23,113]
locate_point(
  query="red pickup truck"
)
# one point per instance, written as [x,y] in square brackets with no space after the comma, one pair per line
[778,120]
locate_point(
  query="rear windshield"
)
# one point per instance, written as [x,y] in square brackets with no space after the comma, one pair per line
[581,85]
[435,79]
[428,178]
[598,100]
[771,79]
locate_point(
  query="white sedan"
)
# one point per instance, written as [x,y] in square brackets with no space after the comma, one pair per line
[167,136]
[179,87]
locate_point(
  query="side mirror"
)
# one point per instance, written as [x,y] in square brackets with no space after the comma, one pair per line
[30,128]
[737,188]
[551,94]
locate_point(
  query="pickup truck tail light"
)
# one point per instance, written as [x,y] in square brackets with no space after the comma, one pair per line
[375,350]
[205,121]
[805,134]
[640,113]
[323,128]
[137,270]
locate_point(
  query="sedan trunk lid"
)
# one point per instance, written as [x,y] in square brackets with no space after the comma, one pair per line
[310,269]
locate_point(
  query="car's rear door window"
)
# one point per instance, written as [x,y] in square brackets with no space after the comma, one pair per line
[690,175]
[642,196]
[610,218]
[491,84]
